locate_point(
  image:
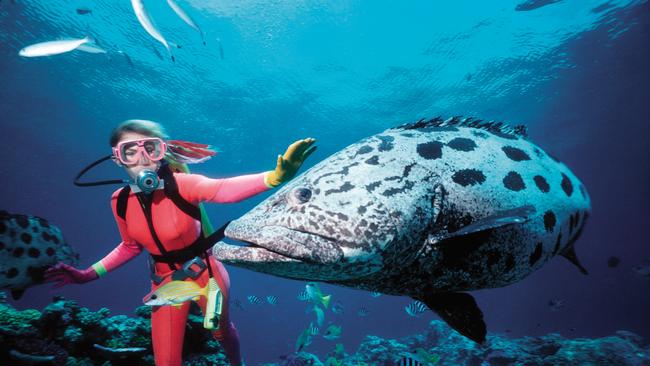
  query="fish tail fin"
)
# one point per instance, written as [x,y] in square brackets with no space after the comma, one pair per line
[459,311]
[326,300]
[570,254]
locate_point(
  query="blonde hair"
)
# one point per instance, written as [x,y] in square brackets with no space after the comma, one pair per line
[141,126]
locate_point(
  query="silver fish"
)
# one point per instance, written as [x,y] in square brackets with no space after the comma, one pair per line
[147,23]
[51,48]
[28,246]
[428,210]
[186,18]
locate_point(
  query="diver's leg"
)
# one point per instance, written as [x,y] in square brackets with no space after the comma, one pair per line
[167,333]
[227,333]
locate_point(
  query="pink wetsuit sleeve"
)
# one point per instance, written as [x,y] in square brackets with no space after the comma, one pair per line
[197,188]
[126,250]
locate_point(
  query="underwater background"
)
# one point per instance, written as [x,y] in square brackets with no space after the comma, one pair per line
[574,72]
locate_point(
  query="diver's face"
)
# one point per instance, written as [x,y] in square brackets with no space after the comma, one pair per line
[142,162]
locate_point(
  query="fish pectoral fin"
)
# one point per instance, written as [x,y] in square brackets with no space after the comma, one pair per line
[459,311]
[16,294]
[516,215]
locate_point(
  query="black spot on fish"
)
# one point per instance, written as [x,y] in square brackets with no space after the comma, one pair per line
[549,220]
[361,210]
[407,170]
[26,238]
[386,143]
[50,251]
[430,150]
[538,152]
[393,191]
[457,251]
[12,272]
[514,182]
[3,227]
[55,239]
[469,177]
[480,134]
[372,161]
[406,134]
[43,223]
[558,242]
[364,149]
[371,187]
[344,188]
[33,252]
[567,187]
[515,154]
[18,252]
[541,183]
[537,254]
[45,236]
[22,221]
[462,144]
[35,229]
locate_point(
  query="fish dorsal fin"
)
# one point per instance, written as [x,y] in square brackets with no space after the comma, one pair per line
[570,254]
[459,311]
[490,126]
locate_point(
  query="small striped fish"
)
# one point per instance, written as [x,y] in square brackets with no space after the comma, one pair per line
[409,361]
[313,330]
[272,299]
[303,295]
[252,299]
[362,312]
[415,308]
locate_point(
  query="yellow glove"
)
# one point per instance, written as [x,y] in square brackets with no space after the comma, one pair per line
[289,163]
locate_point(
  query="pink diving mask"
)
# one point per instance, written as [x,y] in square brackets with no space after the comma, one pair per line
[129,152]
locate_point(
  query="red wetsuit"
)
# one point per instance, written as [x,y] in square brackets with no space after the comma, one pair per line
[177,230]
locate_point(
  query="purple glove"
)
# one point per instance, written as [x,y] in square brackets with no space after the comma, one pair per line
[64,274]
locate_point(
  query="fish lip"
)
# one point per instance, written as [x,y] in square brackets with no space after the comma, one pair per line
[284,242]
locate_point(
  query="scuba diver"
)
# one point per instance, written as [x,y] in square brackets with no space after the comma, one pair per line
[160,210]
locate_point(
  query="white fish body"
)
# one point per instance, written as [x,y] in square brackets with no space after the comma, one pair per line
[186,17]
[52,47]
[148,25]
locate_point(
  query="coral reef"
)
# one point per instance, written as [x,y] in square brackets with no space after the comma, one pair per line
[65,333]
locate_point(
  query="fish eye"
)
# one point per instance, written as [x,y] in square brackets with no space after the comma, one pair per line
[302,194]
[153,297]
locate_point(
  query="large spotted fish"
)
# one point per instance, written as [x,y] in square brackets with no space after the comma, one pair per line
[428,210]
[28,246]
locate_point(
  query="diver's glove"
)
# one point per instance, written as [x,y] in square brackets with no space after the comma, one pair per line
[64,274]
[289,163]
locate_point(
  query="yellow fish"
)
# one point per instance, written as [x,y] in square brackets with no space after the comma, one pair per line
[175,293]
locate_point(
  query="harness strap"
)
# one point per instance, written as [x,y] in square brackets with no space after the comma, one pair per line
[123,201]
[198,248]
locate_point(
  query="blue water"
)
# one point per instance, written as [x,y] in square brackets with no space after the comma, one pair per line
[575,72]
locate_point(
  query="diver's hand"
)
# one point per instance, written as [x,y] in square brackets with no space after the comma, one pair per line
[289,163]
[64,274]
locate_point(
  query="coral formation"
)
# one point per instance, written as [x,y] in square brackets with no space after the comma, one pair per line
[65,333]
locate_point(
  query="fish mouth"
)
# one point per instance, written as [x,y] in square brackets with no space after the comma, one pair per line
[276,249]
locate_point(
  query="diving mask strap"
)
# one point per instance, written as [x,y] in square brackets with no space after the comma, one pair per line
[78,183]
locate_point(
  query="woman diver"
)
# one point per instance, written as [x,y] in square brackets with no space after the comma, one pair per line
[160,211]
